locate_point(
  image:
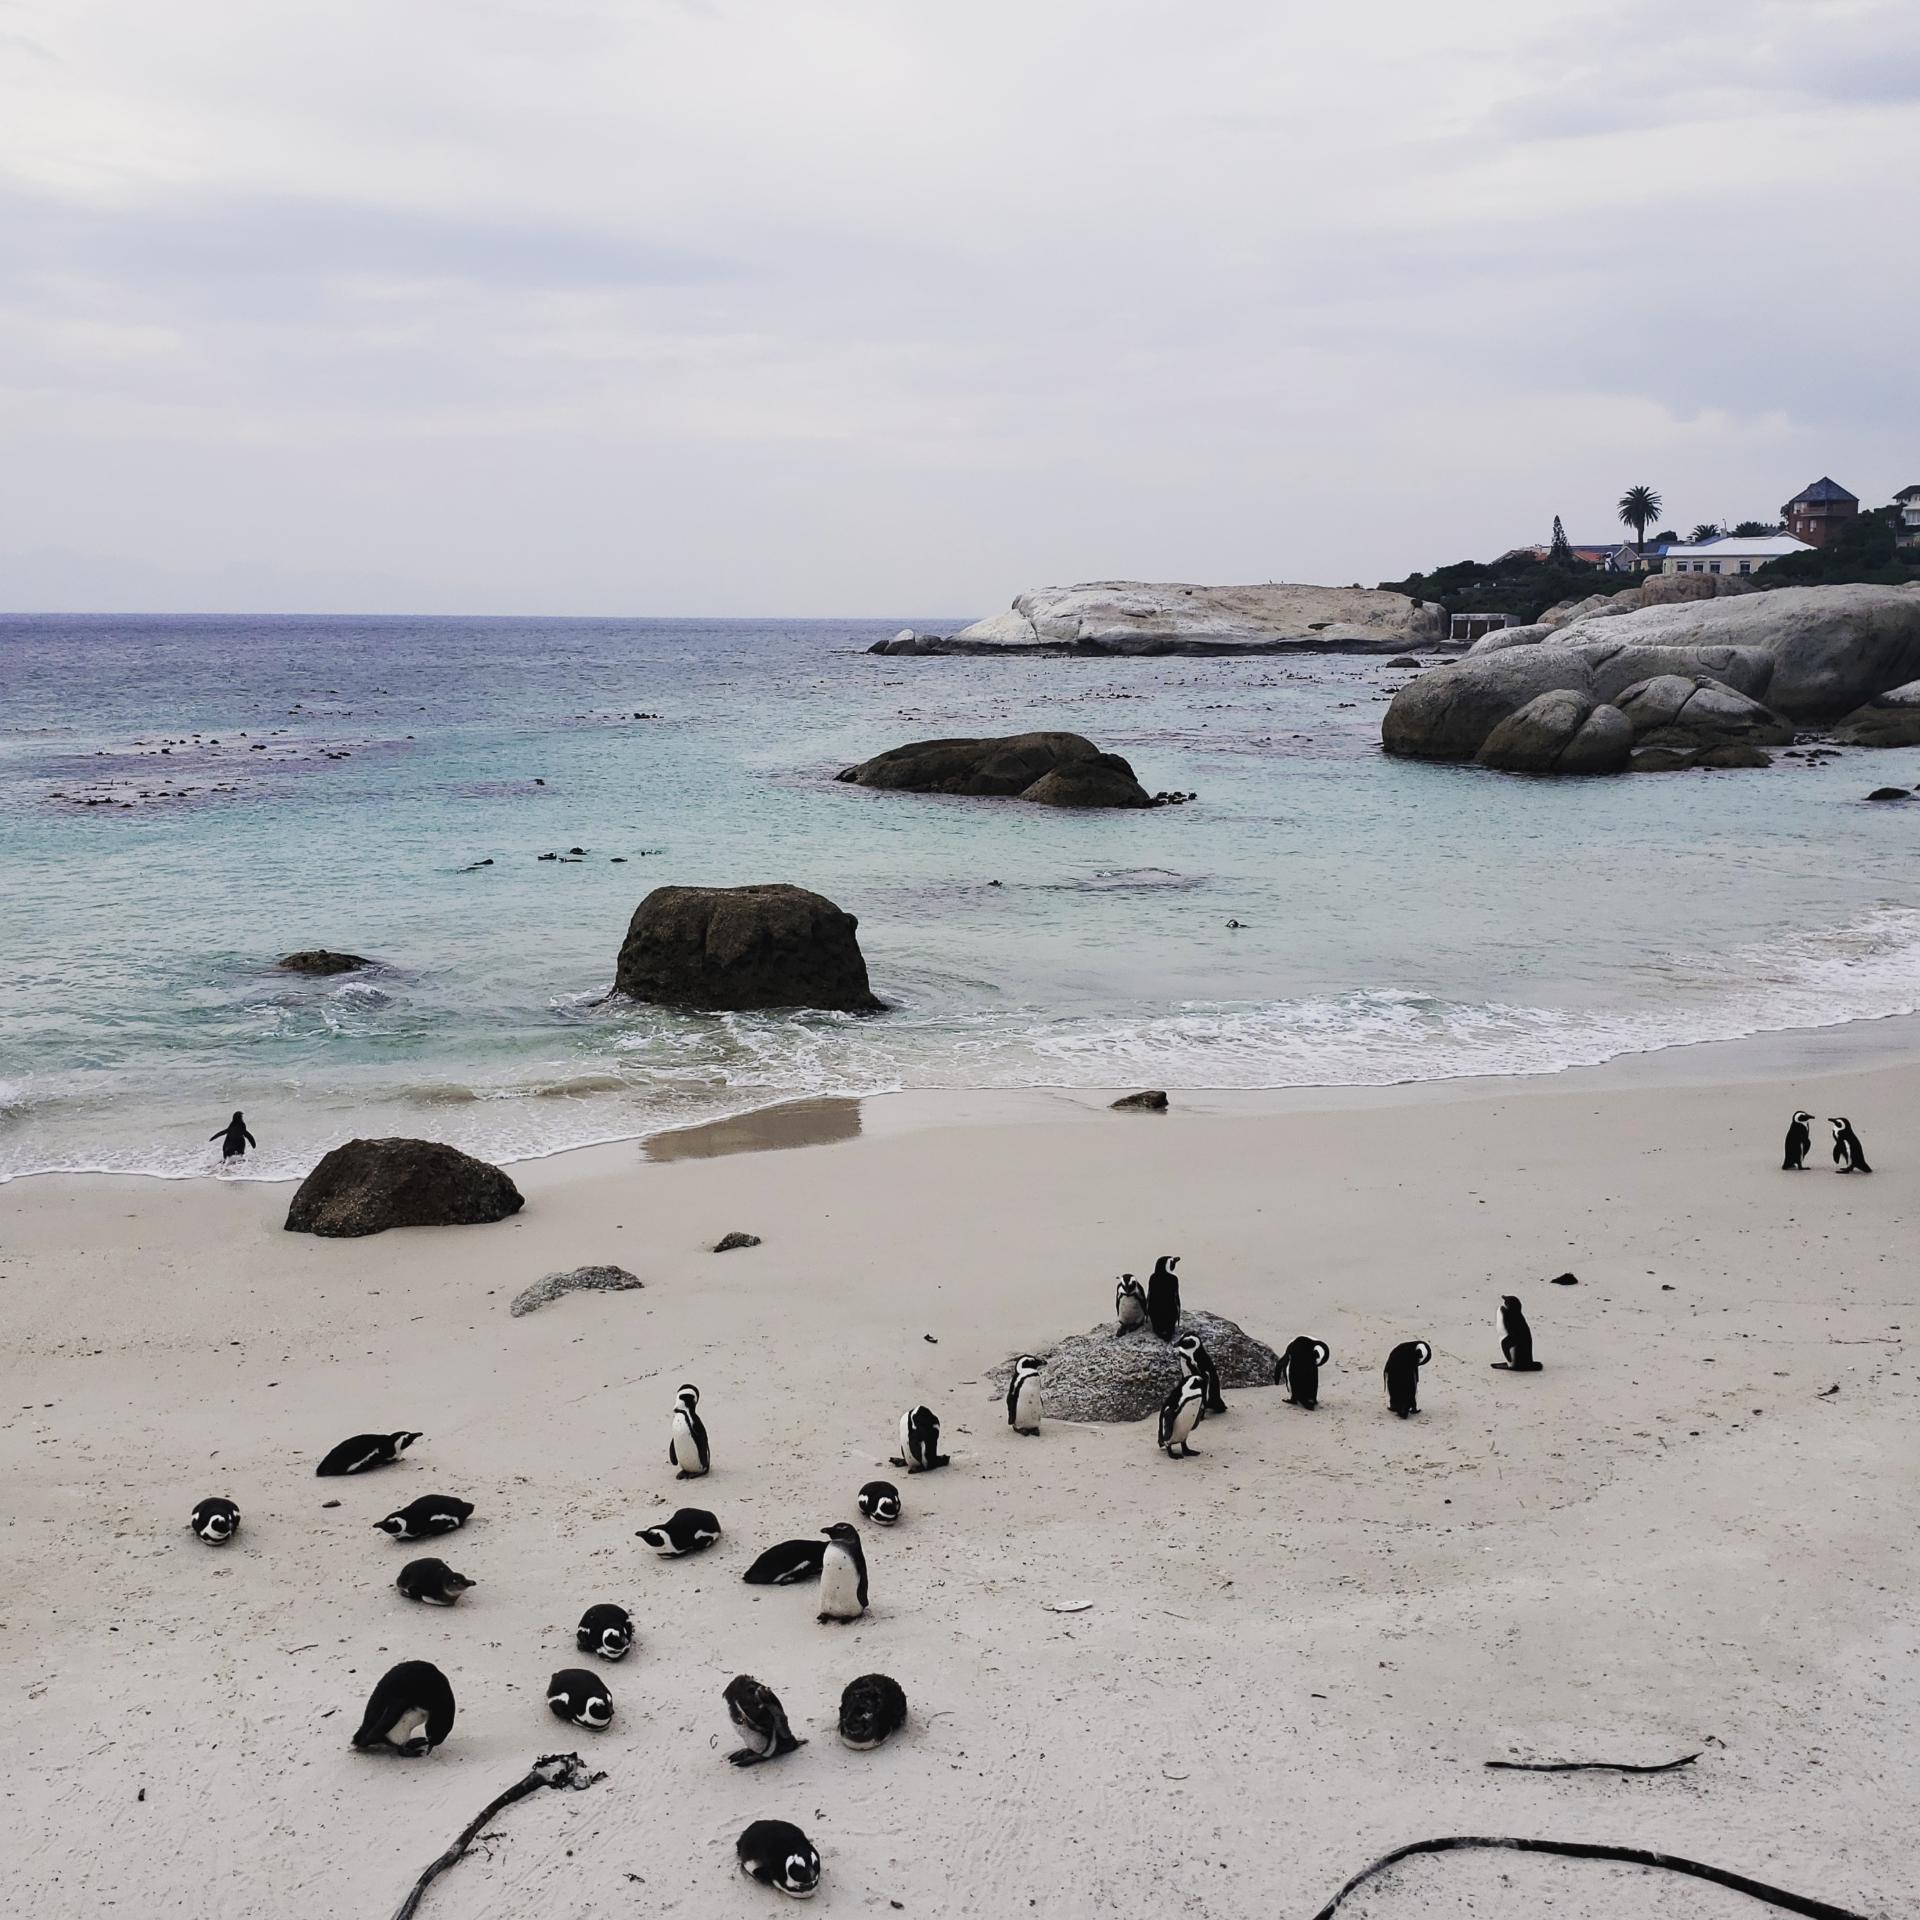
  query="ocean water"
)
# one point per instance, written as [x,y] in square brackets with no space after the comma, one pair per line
[259,785]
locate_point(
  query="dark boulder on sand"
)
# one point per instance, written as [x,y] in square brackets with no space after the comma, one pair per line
[737,949]
[321,960]
[1104,1375]
[368,1186]
[1050,769]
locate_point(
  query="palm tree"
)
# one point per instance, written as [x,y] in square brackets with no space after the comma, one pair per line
[1639,506]
[1704,532]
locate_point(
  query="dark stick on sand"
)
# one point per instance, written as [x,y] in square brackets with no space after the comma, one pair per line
[550,1770]
[1589,1766]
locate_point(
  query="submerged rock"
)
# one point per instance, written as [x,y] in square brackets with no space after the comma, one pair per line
[581,1280]
[368,1186]
[1889,793]
[1051,769]
[1101,1375]
[321,960]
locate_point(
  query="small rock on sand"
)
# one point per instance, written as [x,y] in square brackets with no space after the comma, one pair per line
[1104,1375]
[728,1242]
[581,1280]
[1154,1102]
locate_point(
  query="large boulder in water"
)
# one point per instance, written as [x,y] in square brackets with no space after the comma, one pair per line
[1052,769]
[321,960]
[1890,719]
[1104,1375]
[1684,710]
[1560,732]
[736,949]
[368,1186]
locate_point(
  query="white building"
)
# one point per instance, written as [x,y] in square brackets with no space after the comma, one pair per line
[1733,554]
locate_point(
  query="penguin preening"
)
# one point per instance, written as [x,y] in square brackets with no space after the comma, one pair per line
[1181,1415]
[1516,1338]
[364,1452]
[581,1697]
[1402,1373]
[687,1530]
[1298,1370]
[1195,1359]
[1799,1143]
[872,1709]
[431,1513]
[1023,1396]
[1848,1155]
[1163,1296]
[233,1137]
[778,1854]
[687,1449]
[880,1502]
[432,1582]
[216,1521]
[756,1711]
[1130,1303]
[410,1713]
[843,1574]
[787,1564]
[920,1441]
[605,1630]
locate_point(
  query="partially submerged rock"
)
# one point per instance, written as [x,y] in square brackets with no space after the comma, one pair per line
[581,1280]
[1687,710]
[1153,1101]
[1101,1375]
[321,960]
[1560,732]
[733,1242]
[1890,719]
[368,1186]
[1889,793]
[1052,769]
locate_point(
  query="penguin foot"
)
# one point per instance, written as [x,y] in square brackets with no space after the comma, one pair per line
[746,1757]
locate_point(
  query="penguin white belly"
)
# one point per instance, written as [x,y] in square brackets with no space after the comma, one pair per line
[1026,1404]
[683,1447]
[1184,1422]
[410,1726]
[906,1439]
[839,1584]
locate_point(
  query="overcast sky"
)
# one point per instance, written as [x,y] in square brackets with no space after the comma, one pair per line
[894,307]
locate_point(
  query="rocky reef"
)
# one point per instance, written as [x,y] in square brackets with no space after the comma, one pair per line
[1049,769]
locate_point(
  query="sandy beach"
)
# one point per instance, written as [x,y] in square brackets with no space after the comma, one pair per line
[1289,1654]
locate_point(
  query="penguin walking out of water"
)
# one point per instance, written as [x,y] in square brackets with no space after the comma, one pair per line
[1799,1143]
[410,1713]
[920,1441]
[234,1138]
[1163,1296]
[216,1521]
[1848,1154]
[1130,1303]
[1516,1338]
[1299,1370]
[687,1449]
[1194,1358]
[843,1574]
[1402,1373]
[761,1720]
[1181,1415]
[1023,1395]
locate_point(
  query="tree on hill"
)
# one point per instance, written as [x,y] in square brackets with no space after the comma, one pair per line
[1639,506]
[1865,549]
[1560,548]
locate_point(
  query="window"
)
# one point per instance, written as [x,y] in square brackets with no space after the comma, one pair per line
[1715,568]
[1746,566]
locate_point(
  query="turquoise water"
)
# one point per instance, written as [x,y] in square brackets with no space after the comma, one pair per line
[1400,921]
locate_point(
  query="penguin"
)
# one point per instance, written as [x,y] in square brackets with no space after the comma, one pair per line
[432,1582]
[581,1697]
[920,1441]
[1402,1373]
[1516,1338]
[363,1453]
[687,1449]
[756,1711]
[843,1574]
[1023,1396]
[1194,1358]
[689,1530]
[872,1710]
[1129,1304]
[216,1521]
[605,1630]
[1299,1370]
[1848,1154]
[787,1564]
[1799,1143]
[234,1138]
[431,1513]
[1181,1415]
[880,1502]
[778,1854]
[411,1711]
[1163,1296]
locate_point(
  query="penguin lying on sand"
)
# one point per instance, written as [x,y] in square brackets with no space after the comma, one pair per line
[364,1452]
[431,1513]
[786,1565]
[872,1710]
[778,1854]
[410,1713]
[756,1711]
[432,1582]
[690,1530]
[216,1521]
[880,1502]
[581,1697]
[605,1630]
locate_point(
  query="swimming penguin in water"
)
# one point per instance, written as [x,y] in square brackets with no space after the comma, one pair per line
[1163,1296]
[872,1710]
[1023,1395]
[1299,1370]
[786,1565]
[1799,1143]
[363,1453]
[1181,1415]
[756,1711]
[689,1530]
[605,1630]
[920,1441]
[1848,1155]
[431,1513]
[234,1138]
[1194,1358]
[216,1521]
[432,1582]
[579,1696]
[687,1449]
[1402,1373]
[778,1854]
[1516,1338]
[411,1711]
[843,1574]
[880,1502]
[1130,1303]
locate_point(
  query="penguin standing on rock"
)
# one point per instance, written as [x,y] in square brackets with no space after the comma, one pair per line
[431,1513]
[1130,1303]
[920,1441]
[575,1695]
[605,1630]
[1023,1395]
[688,1530]
[410,1713]
[756,1712]
[1181,1415]
[216,1521]
[1799,1143]
[1194,1358]
[778,1854]
[363,1453]
[687,1449]
[1163,1296]
[1402,1373]
[1299,1370]
[843,1574]
[1516,1338]
[1848,1155]
[880,1502]
[432,1582]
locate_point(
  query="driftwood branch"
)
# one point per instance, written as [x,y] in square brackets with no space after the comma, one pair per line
[550,1770]
[1589,1766]
[1582,1850]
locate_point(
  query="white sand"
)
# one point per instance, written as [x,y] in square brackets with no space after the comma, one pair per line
[1301,1646]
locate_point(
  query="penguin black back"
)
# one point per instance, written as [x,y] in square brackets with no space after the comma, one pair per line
[1402,1373]
[778,1854]
[216,1521]
[432,1582]
[755,1710]
[1848,1154]
[431,1513]
[410,1712]
[787,1564]
[580,1697]
[686,1530]
[920,1441]
[364,1452]
[1194,1358]
[873,1709]
[1799,1143]
[1299,1370]
[1516,1338]
[1163,1296]
[234,1138]
[880,1502]
[605,1630]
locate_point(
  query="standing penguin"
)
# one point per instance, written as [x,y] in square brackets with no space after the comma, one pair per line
[687,1448]
[1299,1370]
[1163,1295]
[1848,1154]
[1799,1143]
[411,1711]
[755,1710]
[234,1138]
[920,1441]
[1516,1338]
[843,1574]
[1023,1395]
[1130,1303]
[216,1521]
[1403,1375]
[1181,1415]
[1194,1358]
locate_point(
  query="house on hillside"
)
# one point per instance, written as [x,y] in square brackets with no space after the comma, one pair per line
[1818,512]
[1733,553]
[1906,525]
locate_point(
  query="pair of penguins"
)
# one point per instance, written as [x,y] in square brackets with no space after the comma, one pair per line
[1848,1155]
